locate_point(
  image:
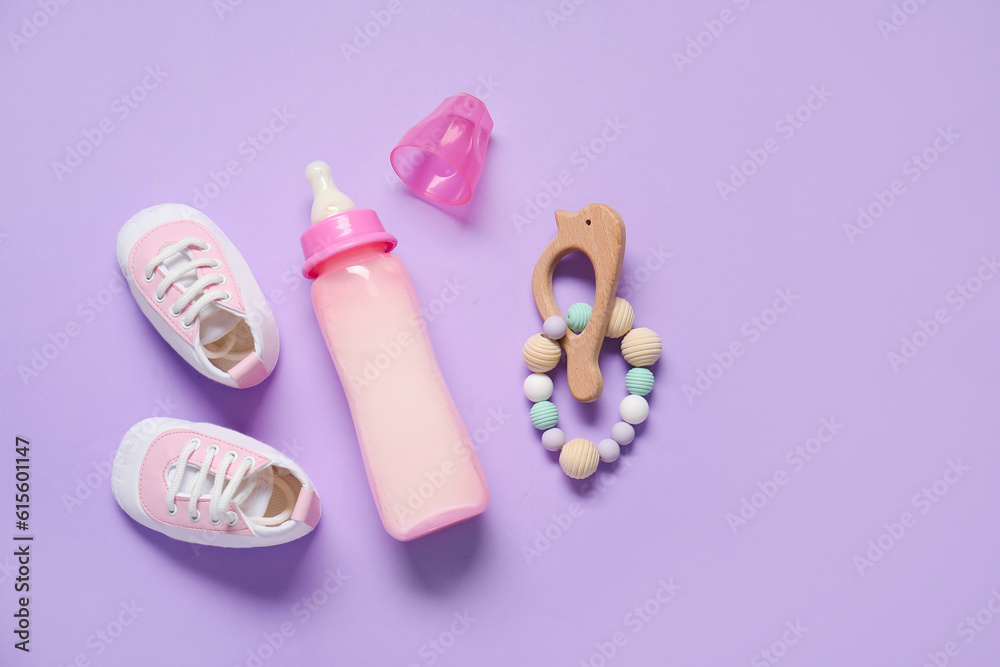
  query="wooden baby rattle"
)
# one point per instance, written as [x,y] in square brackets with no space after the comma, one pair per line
[598,232]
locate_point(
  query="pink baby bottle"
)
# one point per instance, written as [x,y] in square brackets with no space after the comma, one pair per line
[421,465]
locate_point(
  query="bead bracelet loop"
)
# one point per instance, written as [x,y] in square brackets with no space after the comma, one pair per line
[641,348]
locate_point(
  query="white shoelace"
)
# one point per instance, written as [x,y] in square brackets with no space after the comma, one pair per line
[220,498]
[193,290]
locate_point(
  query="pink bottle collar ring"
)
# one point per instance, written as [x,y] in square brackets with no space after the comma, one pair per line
[340,232]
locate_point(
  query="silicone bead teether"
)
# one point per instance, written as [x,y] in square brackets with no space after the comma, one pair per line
[544,415]
[578,315]
[641,347]
[622,317]
[579,458]
[638,381]
[541,354]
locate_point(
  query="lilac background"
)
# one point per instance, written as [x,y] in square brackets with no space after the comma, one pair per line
[661,512]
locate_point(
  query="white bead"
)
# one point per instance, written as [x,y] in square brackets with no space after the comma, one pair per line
[623,433]
[553,439]
[538,387]
[634,409]
[554,327]
[609,450]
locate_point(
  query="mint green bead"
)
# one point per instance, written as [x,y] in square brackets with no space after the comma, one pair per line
[639,381]
[578,315]
[544,415]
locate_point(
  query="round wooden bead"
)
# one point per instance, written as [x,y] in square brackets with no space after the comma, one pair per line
[579,458]
[541,354]
[578,315]
[538,387]
[634,409]
[553,439]
[641,347]
[621,320]
[544,415]
[638,381]
[623,433]
[554,327]
[608,450]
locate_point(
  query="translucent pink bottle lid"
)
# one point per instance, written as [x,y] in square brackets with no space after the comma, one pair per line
[441,158]
[338,225]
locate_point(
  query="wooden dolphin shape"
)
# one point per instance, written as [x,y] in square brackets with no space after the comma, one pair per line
[597,231]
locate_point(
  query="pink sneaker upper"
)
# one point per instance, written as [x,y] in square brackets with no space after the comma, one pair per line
[168,233]
[163,453]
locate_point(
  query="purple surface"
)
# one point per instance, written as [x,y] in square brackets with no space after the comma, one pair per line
[700,266]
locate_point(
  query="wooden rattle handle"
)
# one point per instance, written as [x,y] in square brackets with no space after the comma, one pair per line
[597,231]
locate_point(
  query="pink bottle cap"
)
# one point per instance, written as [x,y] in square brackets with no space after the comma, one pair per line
[441,157]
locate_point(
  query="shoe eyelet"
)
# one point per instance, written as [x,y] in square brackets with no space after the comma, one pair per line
[214,449]
[229,295]
[148,279]
[185,326]
[207,248]
[235,520]
[159,299]
[215,522]
[218,265]
[172,511]
[196,516]
[224,281]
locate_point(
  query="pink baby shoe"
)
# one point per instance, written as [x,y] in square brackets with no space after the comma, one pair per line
[207,484]
[199,293]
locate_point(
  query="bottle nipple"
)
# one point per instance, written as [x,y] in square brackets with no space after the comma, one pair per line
[327,199]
